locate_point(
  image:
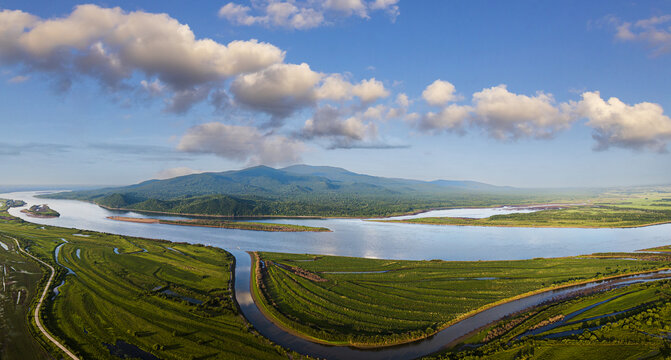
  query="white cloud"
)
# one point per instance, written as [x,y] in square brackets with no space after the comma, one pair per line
[282,89]
[370,90]
[400,111]
[343,131]
[335,87]
[111,46]
[451,118]
[175,172]
[390,6]
[276,13]
[402,100]
[302,15]
[241,143]
[376,112]
[439,93]
[655,32]
[237,14]
[279,90]
[348,7]
[638,126]
[505,115]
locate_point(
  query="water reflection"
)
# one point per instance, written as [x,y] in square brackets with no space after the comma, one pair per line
[354,237]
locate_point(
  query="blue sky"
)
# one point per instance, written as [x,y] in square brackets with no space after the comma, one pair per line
[524,93]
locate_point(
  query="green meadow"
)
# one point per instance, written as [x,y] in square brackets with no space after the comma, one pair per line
[615,208]
[344,300]
[171,300]
[20,280]
[626,323]
[593,216]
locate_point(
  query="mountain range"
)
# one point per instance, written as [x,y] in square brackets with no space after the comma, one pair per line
[293,190]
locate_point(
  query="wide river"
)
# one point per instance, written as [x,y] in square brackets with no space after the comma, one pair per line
[354,237]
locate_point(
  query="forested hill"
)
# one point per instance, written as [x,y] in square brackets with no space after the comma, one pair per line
[298,190]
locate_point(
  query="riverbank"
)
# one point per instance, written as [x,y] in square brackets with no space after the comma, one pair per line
[239,225]
[456,223]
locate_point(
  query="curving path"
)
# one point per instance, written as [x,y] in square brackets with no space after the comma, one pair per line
[41,300]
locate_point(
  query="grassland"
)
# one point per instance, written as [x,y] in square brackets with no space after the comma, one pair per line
[240,225]
[618,208]
[575,217]
[20,280]
[627,323]
[365,302]
[167,299]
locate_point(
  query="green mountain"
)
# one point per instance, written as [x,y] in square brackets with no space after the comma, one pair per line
[295,190]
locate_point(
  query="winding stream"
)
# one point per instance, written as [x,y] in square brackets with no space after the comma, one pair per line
[354,237]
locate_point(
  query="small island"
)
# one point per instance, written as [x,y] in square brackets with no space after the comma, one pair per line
[240,225]
[15,203]
[41,211]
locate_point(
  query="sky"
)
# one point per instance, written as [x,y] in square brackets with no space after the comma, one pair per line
[518,93]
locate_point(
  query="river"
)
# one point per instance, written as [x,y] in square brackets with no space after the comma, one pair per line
[355,237]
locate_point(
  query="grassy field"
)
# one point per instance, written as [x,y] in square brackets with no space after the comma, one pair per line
[167,299]
[625,323]
[597,216]
[369,301]
[20,279]
[240,225]
[616,208]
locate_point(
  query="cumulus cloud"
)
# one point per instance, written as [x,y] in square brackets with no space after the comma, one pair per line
[282,89]
[370,90]
[400,111]
[342,130]
[390,6]
[241,143]
[450,118]
[279,90]
[175,172]
[281,14]
[638,126]
[439,93]
[111,46]
[655,32]
[347,7]
[302,15]
[335,87]
[505,115]
[500,113]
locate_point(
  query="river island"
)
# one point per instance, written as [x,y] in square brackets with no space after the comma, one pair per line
[240,225]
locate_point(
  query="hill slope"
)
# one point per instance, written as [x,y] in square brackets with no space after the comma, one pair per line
[295,190]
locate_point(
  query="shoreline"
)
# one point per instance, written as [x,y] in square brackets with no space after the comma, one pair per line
[39,216]
[319,217]
[272,227]
[262,306]
[526,226]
